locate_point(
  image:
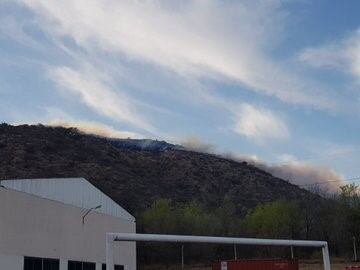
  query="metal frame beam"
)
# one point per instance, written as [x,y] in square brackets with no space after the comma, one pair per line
[112,237]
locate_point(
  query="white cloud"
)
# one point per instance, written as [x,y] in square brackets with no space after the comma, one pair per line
[259,124]
[343,55]
[323,57]
[353,54]
[286,158]
[95,93]
[217,39]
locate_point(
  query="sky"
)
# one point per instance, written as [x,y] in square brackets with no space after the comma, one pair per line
[276,82]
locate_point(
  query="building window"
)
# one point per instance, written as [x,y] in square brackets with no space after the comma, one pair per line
[33,263]
[88,266]
[75,265]
[50,264]
[116,267]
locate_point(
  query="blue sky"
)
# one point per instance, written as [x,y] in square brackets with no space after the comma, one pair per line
[273,81]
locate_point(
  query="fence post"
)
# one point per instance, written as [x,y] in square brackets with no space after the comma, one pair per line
[326,257]
[354,247]
[182,256]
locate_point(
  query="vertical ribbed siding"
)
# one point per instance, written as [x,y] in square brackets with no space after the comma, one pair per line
[74,191]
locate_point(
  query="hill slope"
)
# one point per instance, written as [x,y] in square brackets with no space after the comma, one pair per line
[135,176]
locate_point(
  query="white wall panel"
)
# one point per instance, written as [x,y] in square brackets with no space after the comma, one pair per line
[11,262]
[38,227]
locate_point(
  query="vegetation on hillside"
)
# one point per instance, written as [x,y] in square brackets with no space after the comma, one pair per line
[135,178]
[335,220]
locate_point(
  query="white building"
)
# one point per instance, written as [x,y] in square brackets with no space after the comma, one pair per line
[42,226]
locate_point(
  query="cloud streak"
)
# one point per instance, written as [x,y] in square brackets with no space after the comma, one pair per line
[96,94]
[191,38]
[343,55]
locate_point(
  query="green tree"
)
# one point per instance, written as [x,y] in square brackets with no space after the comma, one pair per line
[160,217]
[197,220]
[278,219]
[350,202]
[229,221]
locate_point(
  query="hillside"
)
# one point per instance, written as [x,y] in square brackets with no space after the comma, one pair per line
[132,175]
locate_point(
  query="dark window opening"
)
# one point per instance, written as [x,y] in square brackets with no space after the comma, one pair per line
[33,263]
[88,266]
[116,267]
[75,265]
[51,264]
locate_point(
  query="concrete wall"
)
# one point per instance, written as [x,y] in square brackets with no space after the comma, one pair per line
[34,226]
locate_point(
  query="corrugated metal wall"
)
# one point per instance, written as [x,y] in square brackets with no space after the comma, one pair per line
[74,191]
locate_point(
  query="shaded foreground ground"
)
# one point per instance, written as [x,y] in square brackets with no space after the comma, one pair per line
[303,265]
[334,265]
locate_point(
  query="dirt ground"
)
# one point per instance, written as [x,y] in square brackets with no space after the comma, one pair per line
[303,265]
[319,266]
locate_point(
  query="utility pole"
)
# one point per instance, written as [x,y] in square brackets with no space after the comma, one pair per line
[235,252]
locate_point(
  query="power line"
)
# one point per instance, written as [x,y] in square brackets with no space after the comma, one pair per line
[354,179]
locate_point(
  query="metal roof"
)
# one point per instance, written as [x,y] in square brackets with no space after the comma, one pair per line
[73,191]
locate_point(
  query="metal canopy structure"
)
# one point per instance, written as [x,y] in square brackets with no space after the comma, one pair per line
[112,237]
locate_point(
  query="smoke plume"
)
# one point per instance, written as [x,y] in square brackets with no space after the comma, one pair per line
[193,143]
[300,173]
[95,128]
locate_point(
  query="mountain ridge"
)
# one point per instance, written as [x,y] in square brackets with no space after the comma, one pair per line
[135,176]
